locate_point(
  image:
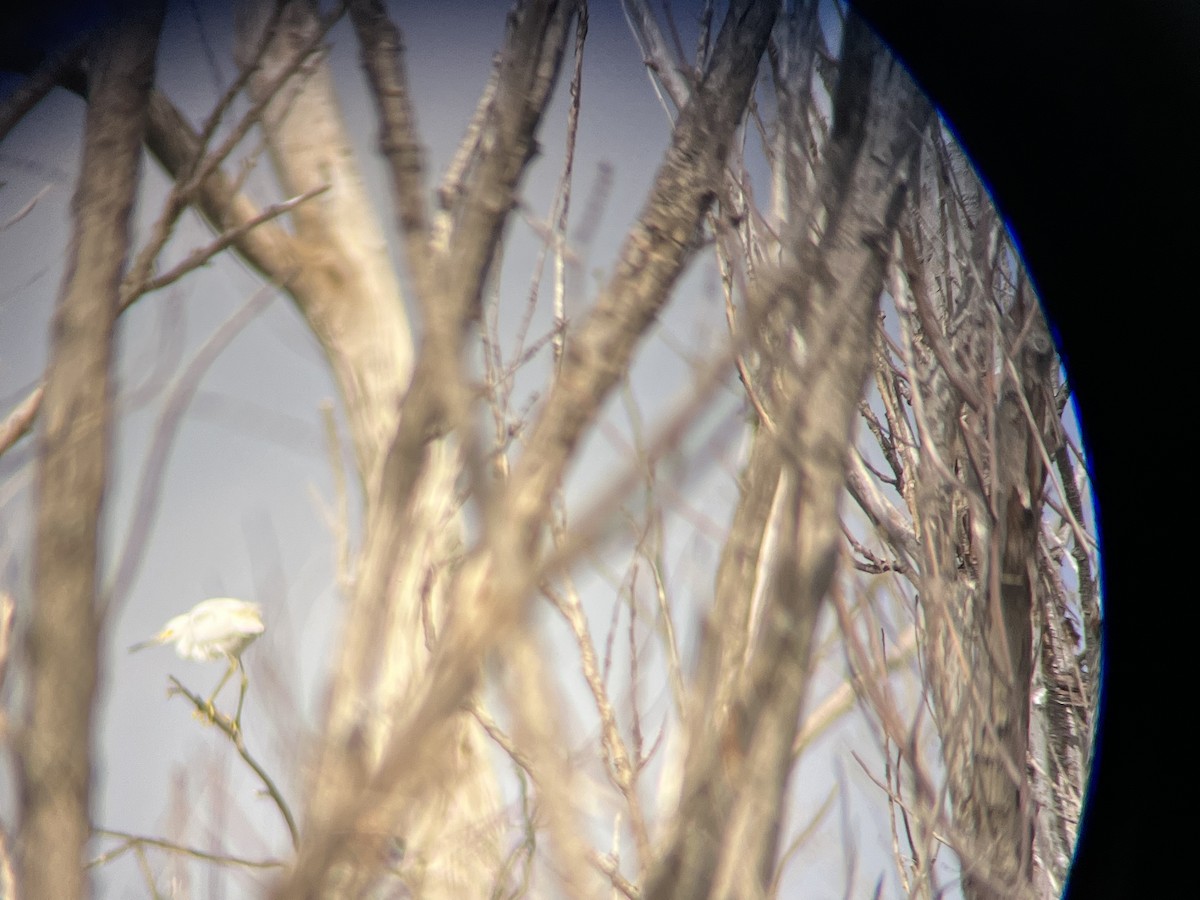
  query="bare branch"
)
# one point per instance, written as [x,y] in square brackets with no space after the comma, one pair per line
[202,255]
[234,733]
[383,59]
[48,74]
[130,842]
[18,422]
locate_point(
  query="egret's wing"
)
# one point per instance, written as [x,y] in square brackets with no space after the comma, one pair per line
[219,627]
[241,616]
[210,625]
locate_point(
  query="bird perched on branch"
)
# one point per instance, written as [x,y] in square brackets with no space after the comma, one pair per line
[220,628]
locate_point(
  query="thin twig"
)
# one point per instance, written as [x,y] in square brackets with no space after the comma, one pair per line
[234,733]
[129,841]
[201,255]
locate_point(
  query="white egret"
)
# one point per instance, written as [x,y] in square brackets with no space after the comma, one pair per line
[220,628]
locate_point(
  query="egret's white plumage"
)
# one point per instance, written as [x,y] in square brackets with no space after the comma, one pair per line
[220,628]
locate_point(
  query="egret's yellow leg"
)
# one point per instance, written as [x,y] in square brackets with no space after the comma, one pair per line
[210,705]
[237,720]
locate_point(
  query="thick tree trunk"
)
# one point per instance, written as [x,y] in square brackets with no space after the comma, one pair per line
[73,450]
[732,802]
[997,806]
[349,293]
[978,500]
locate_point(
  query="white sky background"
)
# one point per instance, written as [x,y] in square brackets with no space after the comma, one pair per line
[242,507]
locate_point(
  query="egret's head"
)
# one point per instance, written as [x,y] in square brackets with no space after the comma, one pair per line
[170,632]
